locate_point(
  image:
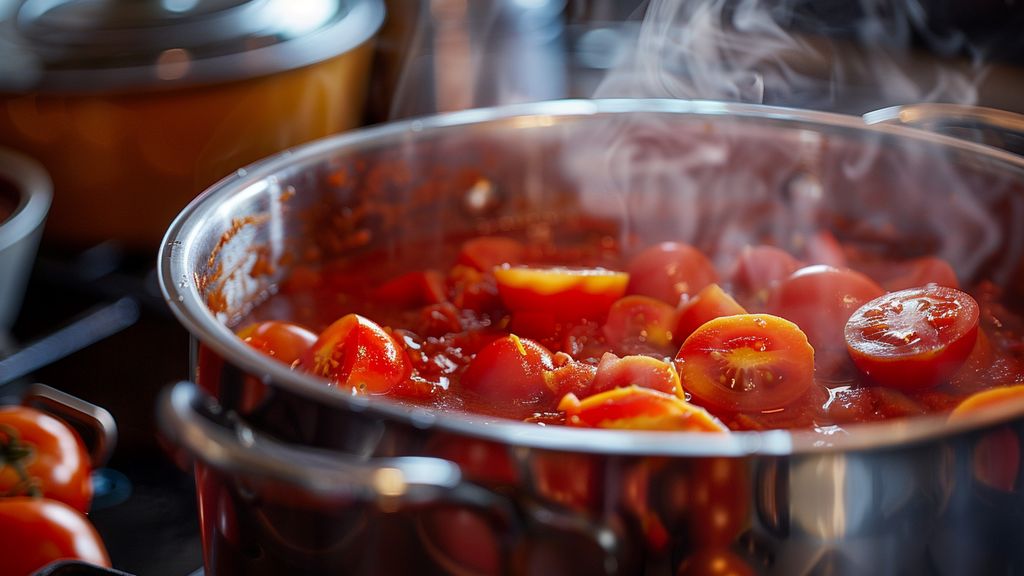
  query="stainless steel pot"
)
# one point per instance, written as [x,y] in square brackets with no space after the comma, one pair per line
[21,227]
[294,477]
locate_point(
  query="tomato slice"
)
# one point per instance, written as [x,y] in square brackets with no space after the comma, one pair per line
[413,289]
[486,252]
[913,339]
[356,352]
[710,303]
[668,270]
[747,363]
[820,299]
[637,408]
[507,376]
[635,321]
[644,371]
[282,341]
[987,399]
[566,294]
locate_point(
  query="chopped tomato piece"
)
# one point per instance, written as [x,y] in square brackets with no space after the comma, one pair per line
[486,252]
[747,363]
[567,294]
[510,372]
[569,376]
[644,371]
[472,289]
[282,341]
[987,399]
[637,408]
[668,270]
[710,303]
[413,289]
[639,320]
[357,353]
[913,339]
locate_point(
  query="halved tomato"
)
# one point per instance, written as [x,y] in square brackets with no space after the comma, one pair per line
[913,339]
[820,299]
[356,352]
[668,270]
[283,341]
[710,303]
[486,252]
[566,294]
[747,363]
[759,268]
[507,376]
[637,321]
[644,371]
[637,408]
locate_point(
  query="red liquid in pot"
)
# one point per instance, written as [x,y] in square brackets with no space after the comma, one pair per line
[661,340]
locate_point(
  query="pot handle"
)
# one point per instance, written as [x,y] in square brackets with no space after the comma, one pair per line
[996,128]
[193,421]
[94,424]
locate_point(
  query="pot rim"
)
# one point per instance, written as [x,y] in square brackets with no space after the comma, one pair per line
[177,282]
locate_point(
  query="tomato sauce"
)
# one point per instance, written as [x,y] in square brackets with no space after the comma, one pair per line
[664,339]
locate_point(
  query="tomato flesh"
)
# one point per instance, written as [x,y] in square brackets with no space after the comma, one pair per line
[414,289]
[637,408]
[635,322]
[283,341]
[986,399]
[710,303]
[355,352]
[565,294]
[747,363]
[913,339]
[669,270]
[644,371]
[510,371]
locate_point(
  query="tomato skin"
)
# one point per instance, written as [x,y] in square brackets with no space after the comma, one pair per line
[759,268]
[767,357]
[564,294]
[356,352]
[668,270]
[637,408]
[922,271]
[913,339]
[487,252]
[413,289]
[509,373]
[37,531]
[639,320]
[283,341]
[820,299]
[644,371]
[58,462]
[710,303]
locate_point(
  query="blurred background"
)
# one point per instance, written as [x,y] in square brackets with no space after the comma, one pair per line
[132,107]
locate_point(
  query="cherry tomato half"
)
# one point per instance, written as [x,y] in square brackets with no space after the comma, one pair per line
[710,303]
[282,341]
[913,339]
[747,363]
[37,531]
[644,371]
[637,408]
[509,372]
[566,294]
[638,321]
[356,352]
[820,299]
[668,270]
[759,268]
[48,453]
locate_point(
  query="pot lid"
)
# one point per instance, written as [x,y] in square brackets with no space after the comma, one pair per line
[104,45]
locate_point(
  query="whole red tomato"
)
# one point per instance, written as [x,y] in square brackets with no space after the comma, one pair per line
[42,456]
[37,531]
